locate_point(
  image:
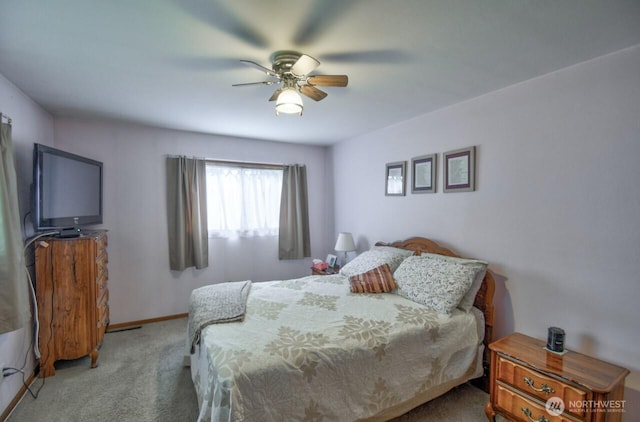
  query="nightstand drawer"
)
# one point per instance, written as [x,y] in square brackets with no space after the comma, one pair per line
[539,385]
[525,409]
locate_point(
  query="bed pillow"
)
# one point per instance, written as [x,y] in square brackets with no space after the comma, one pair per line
[375,257]
[469,298]
[437,283]
[377,280]
[392,249]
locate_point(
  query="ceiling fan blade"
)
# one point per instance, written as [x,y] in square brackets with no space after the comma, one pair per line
[204,63]
[312,92]
[275,94]
[328,80]
[304,65]
[322,16]
[221,17]
[386,56]
[266,70]
[257,83]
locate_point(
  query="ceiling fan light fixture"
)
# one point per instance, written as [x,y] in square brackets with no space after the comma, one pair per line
[289,102]
[292,71]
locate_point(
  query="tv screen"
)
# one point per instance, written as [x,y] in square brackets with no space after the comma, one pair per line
[67,190]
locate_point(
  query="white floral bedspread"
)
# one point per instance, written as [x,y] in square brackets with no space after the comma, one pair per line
[309,350]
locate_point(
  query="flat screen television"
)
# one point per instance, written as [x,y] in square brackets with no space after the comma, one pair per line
[67,191]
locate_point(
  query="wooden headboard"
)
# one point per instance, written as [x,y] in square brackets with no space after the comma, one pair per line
[484,297]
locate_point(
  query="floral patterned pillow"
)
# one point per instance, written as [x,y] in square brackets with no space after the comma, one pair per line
[481,266]
[437,283]
[375,257]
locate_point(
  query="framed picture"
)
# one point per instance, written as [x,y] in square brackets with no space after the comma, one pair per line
[459,170]
[331,260]
[394,178]
[423,174]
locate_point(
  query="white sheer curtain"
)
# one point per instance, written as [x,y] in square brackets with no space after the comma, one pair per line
[14,296]
[243,201]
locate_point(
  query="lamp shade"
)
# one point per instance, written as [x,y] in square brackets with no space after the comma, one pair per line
[289,102]
[345,243]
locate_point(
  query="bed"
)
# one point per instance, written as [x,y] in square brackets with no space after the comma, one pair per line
[311,349]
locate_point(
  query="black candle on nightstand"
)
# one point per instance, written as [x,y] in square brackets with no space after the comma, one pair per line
[555,339]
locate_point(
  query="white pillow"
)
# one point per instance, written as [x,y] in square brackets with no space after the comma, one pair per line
[438,283]
[375,257]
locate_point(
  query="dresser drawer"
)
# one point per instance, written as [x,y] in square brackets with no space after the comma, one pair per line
[538,385]
[524,409]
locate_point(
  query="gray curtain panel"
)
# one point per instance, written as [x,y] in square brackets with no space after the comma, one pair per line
[294,240]
[14,295]
[187,213]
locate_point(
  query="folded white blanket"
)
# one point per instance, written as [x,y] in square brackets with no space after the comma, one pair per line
[214,304]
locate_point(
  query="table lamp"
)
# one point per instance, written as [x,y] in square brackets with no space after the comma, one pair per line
[345,244]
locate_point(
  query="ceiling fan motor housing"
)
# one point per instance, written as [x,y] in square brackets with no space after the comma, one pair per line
[284,60]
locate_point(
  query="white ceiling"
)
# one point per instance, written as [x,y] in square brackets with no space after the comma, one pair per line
[171,63]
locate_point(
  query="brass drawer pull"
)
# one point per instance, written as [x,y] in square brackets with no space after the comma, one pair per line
[527,413]
[543,389]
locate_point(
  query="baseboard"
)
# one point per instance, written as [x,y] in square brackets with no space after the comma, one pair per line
[17,398]
[122,325]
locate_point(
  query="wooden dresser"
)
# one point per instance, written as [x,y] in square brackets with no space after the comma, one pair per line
[72,294]
[529,383]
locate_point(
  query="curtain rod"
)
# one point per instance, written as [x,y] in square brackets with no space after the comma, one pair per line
[4,116]
[247,164]
[238,163]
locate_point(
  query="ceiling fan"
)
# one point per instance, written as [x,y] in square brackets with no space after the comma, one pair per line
[291,71]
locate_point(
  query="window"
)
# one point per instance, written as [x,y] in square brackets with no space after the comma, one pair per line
[243,201]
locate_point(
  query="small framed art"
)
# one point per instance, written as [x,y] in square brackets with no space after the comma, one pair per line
[459,170]
[423,174]
[394,178]
[331,260]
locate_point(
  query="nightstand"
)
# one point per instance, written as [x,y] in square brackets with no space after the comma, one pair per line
[326,271]
[529,383]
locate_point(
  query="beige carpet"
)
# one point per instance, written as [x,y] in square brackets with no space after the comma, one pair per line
[140,378]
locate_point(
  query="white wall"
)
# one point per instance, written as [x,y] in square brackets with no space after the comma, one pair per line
[30,123]
[141,286]
[557,206]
